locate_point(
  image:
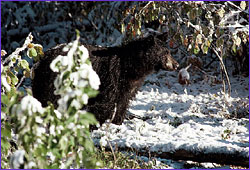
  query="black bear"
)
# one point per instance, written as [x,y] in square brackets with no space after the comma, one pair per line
[121,69]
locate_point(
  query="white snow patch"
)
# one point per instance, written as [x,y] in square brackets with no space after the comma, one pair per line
[193,117]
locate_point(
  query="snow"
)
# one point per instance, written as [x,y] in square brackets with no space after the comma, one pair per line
[167,116]
[30,105]
[17,159]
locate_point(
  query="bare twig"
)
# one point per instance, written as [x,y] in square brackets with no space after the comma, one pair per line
[94,25]
[224,70]
[20,82]
[113,153]
[113,116]
[223,82]
[145,7]
[108,125]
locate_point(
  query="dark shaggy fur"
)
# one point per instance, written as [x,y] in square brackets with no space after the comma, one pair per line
[121,70]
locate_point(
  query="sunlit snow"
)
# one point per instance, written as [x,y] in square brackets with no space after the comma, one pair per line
[168,117]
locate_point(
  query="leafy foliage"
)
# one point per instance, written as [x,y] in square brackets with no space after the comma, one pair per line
[51,138]
[197,25]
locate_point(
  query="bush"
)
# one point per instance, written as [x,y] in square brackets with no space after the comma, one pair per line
[49,137]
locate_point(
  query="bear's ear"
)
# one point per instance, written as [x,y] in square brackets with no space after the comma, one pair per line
[150,40]
[151,37]
[163,36]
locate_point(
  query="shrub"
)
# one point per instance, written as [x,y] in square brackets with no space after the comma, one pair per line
[50,137]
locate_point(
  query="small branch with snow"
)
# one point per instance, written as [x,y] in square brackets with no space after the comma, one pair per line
[18,50]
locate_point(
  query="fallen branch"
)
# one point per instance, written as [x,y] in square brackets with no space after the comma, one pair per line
[181,154]
[221,158]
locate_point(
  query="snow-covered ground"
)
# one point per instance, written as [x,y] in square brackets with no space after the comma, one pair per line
[166,116]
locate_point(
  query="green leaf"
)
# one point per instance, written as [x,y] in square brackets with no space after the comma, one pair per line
[14,79]
[63,143]
[5,132]
[26,138]
[90,92]
[56,152]
[71,141]
[234,50]
[8,79]
[77,33]
[204,48]
[3,112]
[54,166]
[13,92]
[5,145]
[4,99]
[65,75]
[87,119]
[24,64]
[32,52]
[88,145]
[152,18]
[13,60]
[37,151]
[196,50]
[39,50]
